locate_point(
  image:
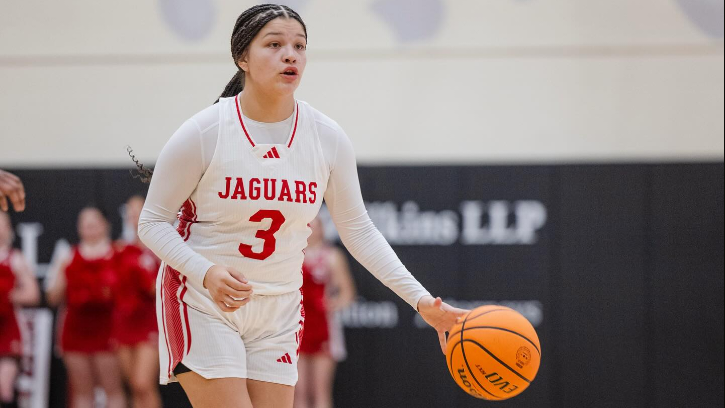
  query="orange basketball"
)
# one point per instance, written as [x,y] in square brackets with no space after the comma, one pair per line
[493,353]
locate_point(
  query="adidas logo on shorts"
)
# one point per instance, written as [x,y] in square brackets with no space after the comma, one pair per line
[285,359]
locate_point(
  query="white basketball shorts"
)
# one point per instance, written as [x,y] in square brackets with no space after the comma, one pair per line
[259,341]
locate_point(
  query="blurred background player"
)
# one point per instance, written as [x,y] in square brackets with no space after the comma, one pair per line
[18,287]
[135,330]
[84,282]
[11,188]
[328,287]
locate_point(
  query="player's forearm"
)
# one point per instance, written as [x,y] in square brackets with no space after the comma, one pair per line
[55,295]
[369,247]
[25,296]
[161,238]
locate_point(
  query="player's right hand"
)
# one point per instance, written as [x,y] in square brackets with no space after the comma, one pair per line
[229,289]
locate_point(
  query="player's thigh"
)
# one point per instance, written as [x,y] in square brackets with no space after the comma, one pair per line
[108,371]
[302,387]
[80,372]
[323,372]
[270,395]
[126,359]
[8,373]
[215,393]
[146,363]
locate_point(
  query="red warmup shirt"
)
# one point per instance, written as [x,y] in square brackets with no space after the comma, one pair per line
[88,319]
[135,309]
[10,345]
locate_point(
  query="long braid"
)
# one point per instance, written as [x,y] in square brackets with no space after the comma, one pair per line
[144,173]
[248,24]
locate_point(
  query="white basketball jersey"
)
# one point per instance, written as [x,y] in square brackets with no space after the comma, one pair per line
[251,209]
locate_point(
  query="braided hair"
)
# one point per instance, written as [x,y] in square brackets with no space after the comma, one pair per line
[249,23]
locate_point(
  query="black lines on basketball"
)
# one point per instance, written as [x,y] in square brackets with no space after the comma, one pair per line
[474,317]
[488,311]
[508,331]
[465,360]
[473,375]
[495,358]
[453,350]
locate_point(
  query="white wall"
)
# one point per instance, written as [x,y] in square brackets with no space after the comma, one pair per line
[410,80]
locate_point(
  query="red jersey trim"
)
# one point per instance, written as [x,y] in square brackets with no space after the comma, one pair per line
[239,114]
[249,138]
[294,131]
[187,217]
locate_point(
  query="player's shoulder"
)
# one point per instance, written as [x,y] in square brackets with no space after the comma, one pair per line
[324,123]
[207,118]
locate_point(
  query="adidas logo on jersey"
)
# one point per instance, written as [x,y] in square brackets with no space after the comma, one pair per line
[272,154]
[285,359]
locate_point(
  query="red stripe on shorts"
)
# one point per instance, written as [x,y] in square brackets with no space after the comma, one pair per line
[172,314]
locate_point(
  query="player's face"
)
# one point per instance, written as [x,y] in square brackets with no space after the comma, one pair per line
[276,58]
[6,230]
[91,225]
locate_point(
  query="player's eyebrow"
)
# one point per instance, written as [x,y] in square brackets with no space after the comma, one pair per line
[276,33]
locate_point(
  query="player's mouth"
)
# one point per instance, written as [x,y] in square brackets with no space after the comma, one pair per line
[290,73]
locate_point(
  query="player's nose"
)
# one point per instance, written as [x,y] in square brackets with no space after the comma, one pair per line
[290,56]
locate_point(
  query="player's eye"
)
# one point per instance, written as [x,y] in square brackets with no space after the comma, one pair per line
[301,47]
[274,45]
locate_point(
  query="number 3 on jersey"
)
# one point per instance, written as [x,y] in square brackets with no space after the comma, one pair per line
[270,242]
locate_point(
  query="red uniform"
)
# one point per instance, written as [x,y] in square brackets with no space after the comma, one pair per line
[10,341]
[135,309]
[88,322]
[315,276]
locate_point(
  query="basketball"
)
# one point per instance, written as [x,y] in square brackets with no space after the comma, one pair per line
[493,353]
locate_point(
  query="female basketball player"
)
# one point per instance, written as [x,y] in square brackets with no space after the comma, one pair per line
[18,287]
[249,173]
[85,283]
[325,269]
[135,331]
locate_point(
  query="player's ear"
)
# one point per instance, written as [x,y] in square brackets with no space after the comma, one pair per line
[242,64]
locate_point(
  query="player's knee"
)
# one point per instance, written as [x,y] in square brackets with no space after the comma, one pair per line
[6,395]
[140,386]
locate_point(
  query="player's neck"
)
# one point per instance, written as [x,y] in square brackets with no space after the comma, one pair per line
[265,108]
[95,248]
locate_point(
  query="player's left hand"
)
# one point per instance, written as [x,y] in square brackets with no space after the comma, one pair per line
[11,187]
[440,315]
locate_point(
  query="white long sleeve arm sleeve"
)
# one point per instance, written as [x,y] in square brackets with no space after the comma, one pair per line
[178,170]
[357,231]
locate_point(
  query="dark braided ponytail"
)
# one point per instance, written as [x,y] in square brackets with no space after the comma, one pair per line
[249,23]
[144,173]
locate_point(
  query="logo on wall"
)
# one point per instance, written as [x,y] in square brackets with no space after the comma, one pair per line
[412,20]
[191,20]
[497,222]
[706,14]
